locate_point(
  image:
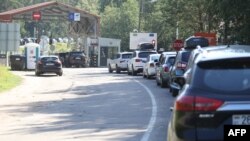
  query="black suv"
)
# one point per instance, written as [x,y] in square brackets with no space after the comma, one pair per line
[181,60]
[215,95]
[73,58]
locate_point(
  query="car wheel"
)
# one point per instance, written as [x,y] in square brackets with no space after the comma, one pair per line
[59,73]
[134,73]
[174,92]
[157,82]
[148,76]
[37,74]
[110,70]
[143,74]
[118,69]
[129,73]
[162,84]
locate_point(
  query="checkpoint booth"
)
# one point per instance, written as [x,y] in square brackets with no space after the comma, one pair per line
[100,49]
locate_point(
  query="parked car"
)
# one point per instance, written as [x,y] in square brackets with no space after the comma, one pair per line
[215,94]
[150,65]
[73,59]
[181,60]
[119,62]
[48,64]
[166,61]
[136,63]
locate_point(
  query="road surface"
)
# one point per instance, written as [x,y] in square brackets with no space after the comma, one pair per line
[85,104]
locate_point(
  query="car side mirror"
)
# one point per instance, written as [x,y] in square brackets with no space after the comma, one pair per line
[156,60]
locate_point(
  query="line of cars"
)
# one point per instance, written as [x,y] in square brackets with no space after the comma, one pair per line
[215,94]
[211,85]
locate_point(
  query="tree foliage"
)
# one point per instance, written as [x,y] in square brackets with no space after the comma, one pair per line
[228,18]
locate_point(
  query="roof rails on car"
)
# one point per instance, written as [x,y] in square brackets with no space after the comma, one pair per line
[193,41]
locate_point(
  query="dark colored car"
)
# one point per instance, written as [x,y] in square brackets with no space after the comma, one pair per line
[73,58]
[48,64]
[181,60]
[166,61]
[214,95]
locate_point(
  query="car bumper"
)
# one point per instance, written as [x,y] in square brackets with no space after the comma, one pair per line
[151,71]
[49,70]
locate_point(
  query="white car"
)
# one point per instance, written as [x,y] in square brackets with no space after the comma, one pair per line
[119,62]
[149,68]
[136,63]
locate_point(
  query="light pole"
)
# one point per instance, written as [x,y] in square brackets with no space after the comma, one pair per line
[140,12]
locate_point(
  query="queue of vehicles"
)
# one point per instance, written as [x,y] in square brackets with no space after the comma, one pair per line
[211,85]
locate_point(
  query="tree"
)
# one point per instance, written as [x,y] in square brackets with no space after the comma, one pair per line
[118,22]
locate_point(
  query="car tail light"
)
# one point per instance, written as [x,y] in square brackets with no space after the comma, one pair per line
[151,65]
[137,60]
[191,103]
[59,62]
[181,65]
[166,69]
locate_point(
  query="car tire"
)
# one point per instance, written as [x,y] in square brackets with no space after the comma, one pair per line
[163,85]
[118,70]
[148,76]
[175,93]
[37,74]
[157,82]
[110,70]
[59,73]
[134,73]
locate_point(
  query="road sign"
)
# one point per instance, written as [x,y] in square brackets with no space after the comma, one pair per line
[74,16]
[36,15]
[178,44]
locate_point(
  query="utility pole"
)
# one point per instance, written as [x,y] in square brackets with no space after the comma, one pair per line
[140,14]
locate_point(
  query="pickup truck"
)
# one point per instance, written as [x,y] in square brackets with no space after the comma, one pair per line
[119,62]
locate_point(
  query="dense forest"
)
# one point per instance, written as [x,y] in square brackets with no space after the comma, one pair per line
[170,19]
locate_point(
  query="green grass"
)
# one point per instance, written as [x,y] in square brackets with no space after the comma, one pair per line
[7,79]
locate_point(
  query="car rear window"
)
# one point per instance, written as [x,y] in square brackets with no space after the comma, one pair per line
[155,57]
[76,53]
[126,56]
[227,75]
[145,54]
[171,60]
[185,56]
[49,58]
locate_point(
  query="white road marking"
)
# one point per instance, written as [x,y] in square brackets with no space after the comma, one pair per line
[152,121]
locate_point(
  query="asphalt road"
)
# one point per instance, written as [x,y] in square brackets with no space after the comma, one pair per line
[85,104]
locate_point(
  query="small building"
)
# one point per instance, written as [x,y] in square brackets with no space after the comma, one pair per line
[100,49]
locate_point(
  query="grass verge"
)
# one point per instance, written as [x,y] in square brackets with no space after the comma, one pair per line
[8,80]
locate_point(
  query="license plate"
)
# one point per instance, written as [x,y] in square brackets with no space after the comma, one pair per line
[78,58]
[50,64]
[241,119]
[17,58]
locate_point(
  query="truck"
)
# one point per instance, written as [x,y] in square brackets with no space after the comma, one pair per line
[119,62]
[136,39]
